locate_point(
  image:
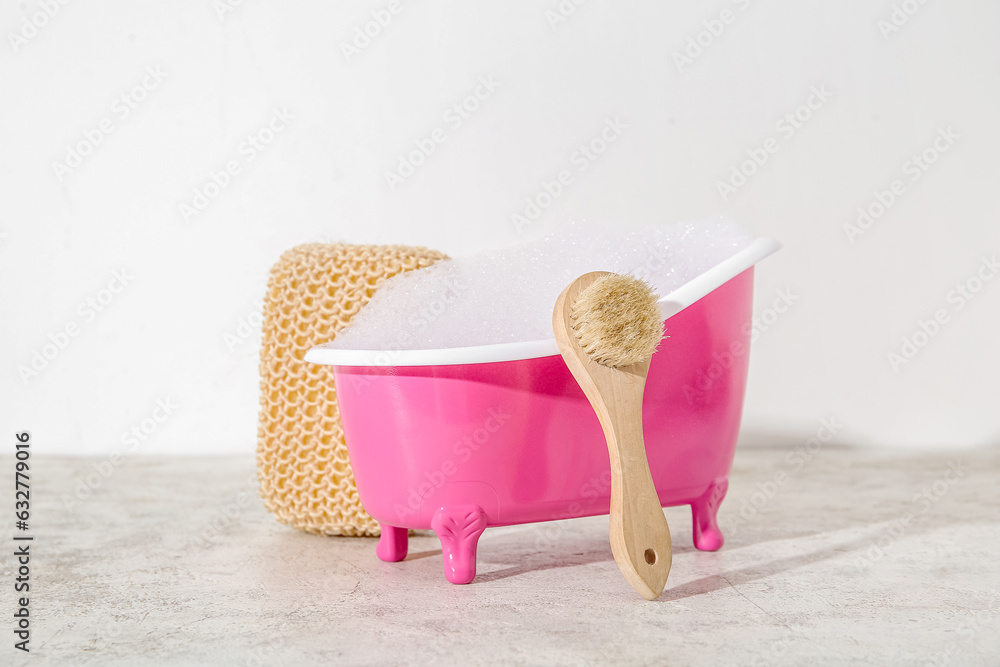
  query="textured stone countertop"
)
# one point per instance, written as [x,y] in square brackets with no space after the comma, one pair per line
[857,557]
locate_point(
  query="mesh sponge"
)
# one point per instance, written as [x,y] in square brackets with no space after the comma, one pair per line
[313,291]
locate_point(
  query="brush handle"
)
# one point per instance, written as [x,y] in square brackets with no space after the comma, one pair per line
[640,537]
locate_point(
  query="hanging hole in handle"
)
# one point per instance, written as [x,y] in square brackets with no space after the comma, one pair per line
[650,557]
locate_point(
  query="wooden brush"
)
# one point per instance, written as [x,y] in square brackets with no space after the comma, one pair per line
[607,327]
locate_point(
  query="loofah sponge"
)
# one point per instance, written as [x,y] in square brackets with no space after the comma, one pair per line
[313,292]
[617,320]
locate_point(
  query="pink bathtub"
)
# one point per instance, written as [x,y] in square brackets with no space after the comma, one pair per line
[460,439]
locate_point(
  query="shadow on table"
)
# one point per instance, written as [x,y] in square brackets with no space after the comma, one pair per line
[834,491]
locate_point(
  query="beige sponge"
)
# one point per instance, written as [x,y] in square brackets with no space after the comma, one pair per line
[313,292]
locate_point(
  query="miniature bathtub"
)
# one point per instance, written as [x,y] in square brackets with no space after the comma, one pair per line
[456,440]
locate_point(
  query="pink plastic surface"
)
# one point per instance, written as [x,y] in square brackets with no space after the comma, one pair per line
[462,447]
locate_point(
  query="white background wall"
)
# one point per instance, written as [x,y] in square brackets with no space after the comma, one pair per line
[163,336]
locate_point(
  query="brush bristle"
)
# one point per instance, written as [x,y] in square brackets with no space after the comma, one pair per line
[617,320]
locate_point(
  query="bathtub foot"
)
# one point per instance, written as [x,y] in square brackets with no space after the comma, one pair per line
[393,544]
[459,527]
[707,536]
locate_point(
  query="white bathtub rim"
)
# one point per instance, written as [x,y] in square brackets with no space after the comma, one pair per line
[670,305]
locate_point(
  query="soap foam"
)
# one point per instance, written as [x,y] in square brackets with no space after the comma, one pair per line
[507,295]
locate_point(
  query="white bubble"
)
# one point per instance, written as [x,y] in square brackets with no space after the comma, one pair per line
[507,295]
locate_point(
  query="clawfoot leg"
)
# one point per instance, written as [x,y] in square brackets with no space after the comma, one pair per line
[459,527]
[393,544]
[707,536]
